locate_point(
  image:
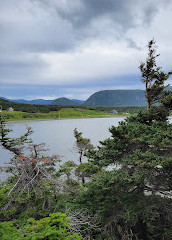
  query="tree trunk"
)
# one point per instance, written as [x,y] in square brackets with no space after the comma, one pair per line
[80,156]
[83,180]
[149,104]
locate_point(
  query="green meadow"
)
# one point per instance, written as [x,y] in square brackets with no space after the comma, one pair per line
[61,114]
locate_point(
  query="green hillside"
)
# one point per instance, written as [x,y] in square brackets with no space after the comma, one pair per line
[31,108]
[64,102]
[117,98]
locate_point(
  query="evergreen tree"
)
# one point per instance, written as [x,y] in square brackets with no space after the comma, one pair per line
[133,201]
[153,77]
[83,146]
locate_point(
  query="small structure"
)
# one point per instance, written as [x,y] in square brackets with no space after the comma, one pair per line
[10,109]
[113,111]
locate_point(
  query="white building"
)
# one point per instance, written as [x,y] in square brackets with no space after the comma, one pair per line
[113,111]
[10,109]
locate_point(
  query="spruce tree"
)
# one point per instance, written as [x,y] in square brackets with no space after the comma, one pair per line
[153,77]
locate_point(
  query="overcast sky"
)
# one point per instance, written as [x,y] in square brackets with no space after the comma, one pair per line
[73,48]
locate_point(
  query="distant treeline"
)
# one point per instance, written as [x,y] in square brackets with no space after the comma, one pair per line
[33,108]
[125,109]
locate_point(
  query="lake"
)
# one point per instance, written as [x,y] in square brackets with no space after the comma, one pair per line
[58,134]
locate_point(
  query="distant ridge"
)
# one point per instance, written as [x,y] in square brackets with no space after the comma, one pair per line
[117,98]
[78,101]
[36,101]
[44,102]
[64,101]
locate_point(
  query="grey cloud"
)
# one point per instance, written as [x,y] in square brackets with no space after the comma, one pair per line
[132,44]
[116,16]
[17,70]
[32,29]
[57,25]
[29,27]
[25,31]
[120,11]
[105,8]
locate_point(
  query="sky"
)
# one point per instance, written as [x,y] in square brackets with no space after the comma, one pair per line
[74,48]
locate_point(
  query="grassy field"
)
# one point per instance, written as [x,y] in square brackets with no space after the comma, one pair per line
[61,114]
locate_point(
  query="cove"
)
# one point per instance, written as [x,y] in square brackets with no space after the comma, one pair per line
[58,134]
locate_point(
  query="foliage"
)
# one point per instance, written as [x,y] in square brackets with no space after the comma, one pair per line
[136,198]
[134,201]
[32,188]
[8,231]
[66,169]
[33,111]
[56,226]
[13,144]
[83,146]
[167,100]
[124,211]
[153,77]
[86,170]
[31,108]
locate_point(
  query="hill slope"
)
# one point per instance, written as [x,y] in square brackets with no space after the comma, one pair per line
[64,101]
[117,98]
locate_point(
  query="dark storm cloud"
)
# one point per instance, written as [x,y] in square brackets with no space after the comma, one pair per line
[57,25]
[121,13]
[115,10]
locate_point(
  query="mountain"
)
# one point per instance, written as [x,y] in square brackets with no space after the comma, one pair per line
[101,98]
[43,102]
[117,98]
[36,101]
[64,101]
[78,101]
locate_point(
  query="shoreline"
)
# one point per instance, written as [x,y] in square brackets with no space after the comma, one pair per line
[50,119]
[70,118]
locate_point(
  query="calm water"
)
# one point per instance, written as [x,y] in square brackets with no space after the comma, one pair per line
[58,134]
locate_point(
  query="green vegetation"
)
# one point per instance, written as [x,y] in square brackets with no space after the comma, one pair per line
[153,77]
[44,199]
[55,227]
[33,111]
[127,98]
[33,108]
[62,113]
[64,102]
[30,108]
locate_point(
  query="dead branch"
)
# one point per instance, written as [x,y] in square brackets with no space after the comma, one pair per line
[82,222]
